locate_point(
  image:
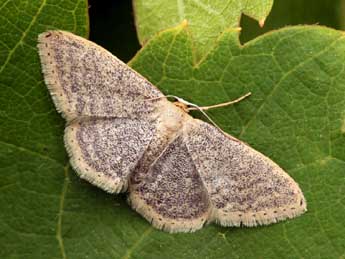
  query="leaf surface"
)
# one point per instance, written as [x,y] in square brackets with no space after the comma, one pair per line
[206,19]
[321,12]
[296,116]
[33,162]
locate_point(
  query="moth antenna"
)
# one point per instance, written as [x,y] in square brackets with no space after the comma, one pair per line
[208,117]
[220,104]
[163,96]
[202,109]
[195,107]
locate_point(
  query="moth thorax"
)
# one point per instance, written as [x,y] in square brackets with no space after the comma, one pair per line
[172,117]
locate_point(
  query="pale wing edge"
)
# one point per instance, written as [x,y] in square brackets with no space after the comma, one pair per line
[266,217]
[50,75]
[253,219]
[84,171]
[157,220]
[166,224]
[50,72]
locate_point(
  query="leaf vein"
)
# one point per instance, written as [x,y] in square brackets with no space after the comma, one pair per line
[11,52]
[61,210]
[4,4]
[24,149]
[130,250]
[276,86]
[180,7]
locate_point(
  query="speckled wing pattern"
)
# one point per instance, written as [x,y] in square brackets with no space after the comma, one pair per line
[86,80]
[244,186]
[105,151]
[122,134]
[171,194]
[105,105]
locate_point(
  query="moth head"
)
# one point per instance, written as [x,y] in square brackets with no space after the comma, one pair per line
[181,105]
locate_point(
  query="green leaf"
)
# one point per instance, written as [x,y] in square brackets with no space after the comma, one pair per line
[206,19]
[295,115]
[32,155]
[322,12]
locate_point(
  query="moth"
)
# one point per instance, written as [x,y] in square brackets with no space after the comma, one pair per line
[123,135]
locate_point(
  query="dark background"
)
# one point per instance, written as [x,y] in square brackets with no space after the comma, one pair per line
[112,21]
